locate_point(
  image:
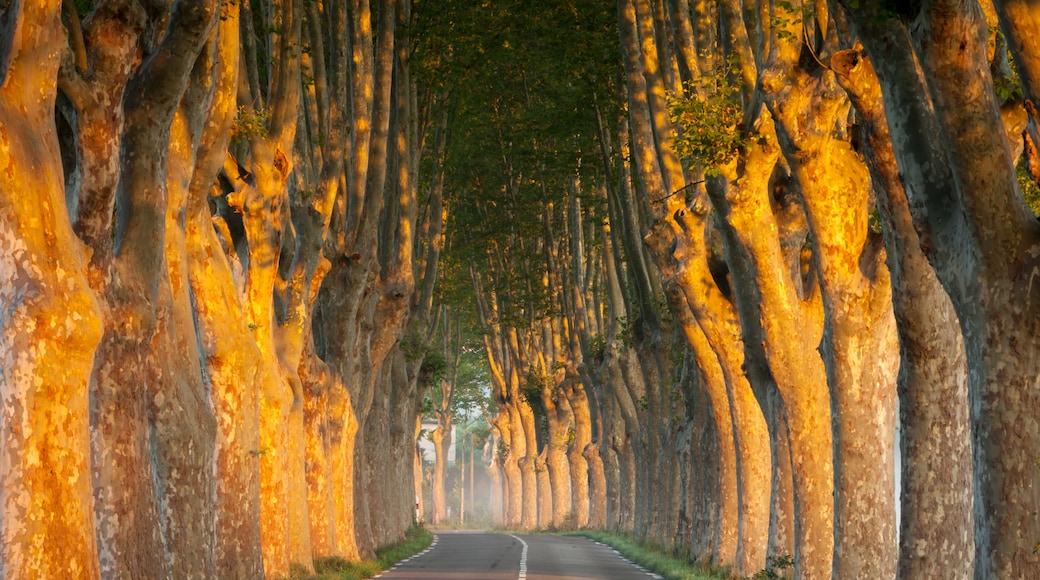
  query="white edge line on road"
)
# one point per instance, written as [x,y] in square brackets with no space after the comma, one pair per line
[523,559]
[618,554]
[423,553]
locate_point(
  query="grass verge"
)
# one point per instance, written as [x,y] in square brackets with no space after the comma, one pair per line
[416,539]
[661,563]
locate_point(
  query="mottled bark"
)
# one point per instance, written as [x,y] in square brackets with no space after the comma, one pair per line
[163,489]
[561,430]
[321,504]
[983,242]
[718,321]
[544,517]
[228,353]
[772,309]
[513,443]
[580,454]
[713,382]
[524,433]
[936,526]
[261,208]
[782,535]
[859,345]
[47,524]
[231,360]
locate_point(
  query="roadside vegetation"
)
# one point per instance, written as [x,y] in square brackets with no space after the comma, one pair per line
[672,567]
[417,539]
[654,559]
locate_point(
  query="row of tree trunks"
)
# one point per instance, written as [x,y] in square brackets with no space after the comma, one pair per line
[207,427]
[773,269]
[949,141]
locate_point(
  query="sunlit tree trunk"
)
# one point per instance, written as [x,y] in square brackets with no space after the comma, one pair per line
[231,362]
[45,454]
[718,322]
[228,352]
[791,329]
[544,517]
[936,526]
[153,432]
[262,197]
[319,428]
[561,430]
[437,482]
[980,237]
[859,342]
[581,456]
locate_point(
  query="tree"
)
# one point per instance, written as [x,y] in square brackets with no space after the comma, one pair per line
[937,521]
[976,232]
[46,418]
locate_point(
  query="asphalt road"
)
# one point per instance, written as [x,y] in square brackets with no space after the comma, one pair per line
[483,556]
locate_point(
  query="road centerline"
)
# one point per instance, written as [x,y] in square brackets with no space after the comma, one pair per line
[523,559]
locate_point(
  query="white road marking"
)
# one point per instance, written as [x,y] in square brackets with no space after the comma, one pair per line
[637,566]
[523,559]
[423,553]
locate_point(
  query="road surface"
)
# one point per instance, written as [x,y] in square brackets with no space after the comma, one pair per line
[484,556]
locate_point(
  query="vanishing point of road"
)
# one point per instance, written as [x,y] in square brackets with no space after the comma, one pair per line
[484,556]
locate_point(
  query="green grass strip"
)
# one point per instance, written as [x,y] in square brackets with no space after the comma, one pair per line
[416,539]
[663,564]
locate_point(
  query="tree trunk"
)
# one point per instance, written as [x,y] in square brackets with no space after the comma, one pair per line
[556,460]
[720,328]
[45,421]
[859,342]
[765,293]
[231,361]
[545,492]
[714,385]
[524,432]
[321,506]
[580,455]
[936,526]
[953,155]
[437,483]
[988,284]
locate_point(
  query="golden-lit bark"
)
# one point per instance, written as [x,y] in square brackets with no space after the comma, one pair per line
[936,525]
[153,443]
[437,483]
[561,431]
[586,490]
[718,321]
[981,239]
[200,353]
[544,516]
[524,437]
[321,505]
[262,199]
[46,511]
[791,329]
[227,351]
[860,348]
[232,360]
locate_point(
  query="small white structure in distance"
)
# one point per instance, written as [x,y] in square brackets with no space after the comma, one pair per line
[426,445]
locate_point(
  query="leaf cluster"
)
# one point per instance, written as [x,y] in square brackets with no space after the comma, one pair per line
[249,122]
[709,125]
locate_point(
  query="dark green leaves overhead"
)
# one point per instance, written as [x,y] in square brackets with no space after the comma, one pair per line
[524,78]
